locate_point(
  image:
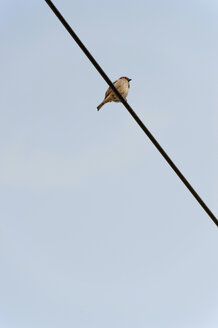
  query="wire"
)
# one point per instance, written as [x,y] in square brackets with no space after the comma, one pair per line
[131,111]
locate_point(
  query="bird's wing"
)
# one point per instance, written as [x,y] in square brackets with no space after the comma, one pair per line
[109,90]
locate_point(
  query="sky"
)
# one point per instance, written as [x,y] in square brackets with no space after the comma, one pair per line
[96,229]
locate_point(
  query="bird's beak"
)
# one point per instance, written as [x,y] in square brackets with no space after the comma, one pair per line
[130,80]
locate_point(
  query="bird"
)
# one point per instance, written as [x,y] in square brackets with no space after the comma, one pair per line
[122,85]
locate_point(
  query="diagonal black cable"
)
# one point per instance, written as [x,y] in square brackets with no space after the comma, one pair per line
[131,111]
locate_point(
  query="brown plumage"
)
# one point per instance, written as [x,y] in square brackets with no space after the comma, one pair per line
[122,85]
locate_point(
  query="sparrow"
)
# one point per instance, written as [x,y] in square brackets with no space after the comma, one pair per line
[122,85]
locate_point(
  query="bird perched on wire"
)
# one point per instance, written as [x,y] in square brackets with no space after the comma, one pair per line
[122,86]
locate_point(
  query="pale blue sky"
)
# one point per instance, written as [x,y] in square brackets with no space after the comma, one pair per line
[96,229]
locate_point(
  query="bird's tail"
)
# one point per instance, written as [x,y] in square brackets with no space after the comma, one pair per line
[101,104]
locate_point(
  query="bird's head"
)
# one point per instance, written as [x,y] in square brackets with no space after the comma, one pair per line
[126,78]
